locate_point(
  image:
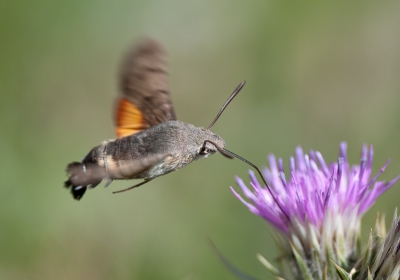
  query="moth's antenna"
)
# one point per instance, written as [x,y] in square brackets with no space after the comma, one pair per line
[234,93]
[262,177]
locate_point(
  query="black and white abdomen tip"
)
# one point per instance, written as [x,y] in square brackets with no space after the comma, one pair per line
[80,179]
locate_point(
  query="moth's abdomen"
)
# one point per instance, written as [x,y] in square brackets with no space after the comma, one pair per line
[123,158]
[99,164]
[130,157]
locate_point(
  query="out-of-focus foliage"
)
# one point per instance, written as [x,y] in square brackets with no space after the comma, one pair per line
[317,74]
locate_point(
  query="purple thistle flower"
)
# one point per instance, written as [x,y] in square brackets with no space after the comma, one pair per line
[314,188]
[320,206]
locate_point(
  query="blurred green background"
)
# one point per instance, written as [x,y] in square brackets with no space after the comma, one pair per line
[317,74]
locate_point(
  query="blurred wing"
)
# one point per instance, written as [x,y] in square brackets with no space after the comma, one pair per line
[145,99]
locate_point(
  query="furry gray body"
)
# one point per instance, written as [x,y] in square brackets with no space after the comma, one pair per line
[179,142]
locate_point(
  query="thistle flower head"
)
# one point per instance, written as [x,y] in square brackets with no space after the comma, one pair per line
[318,209]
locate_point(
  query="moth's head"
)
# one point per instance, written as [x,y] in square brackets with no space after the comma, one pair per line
[212,143]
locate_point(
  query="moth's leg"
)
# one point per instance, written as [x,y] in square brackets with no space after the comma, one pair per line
[135,186]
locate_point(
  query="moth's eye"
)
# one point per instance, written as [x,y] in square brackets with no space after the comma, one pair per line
[203,150]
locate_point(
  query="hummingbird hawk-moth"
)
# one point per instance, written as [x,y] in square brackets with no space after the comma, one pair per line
[150,140]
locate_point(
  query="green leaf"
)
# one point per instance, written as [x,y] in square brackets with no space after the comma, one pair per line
[340,245]
[342,273]
[330,256]
[302,265]
[268,265]
[315,252]
[367,256]
[369,275]
[325,274]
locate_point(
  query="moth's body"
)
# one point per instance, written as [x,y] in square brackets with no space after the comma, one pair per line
[179,142]
[153,152]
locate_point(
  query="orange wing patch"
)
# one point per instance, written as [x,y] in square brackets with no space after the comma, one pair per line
[129,119]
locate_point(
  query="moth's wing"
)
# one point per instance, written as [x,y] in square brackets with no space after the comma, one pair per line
[145,99]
